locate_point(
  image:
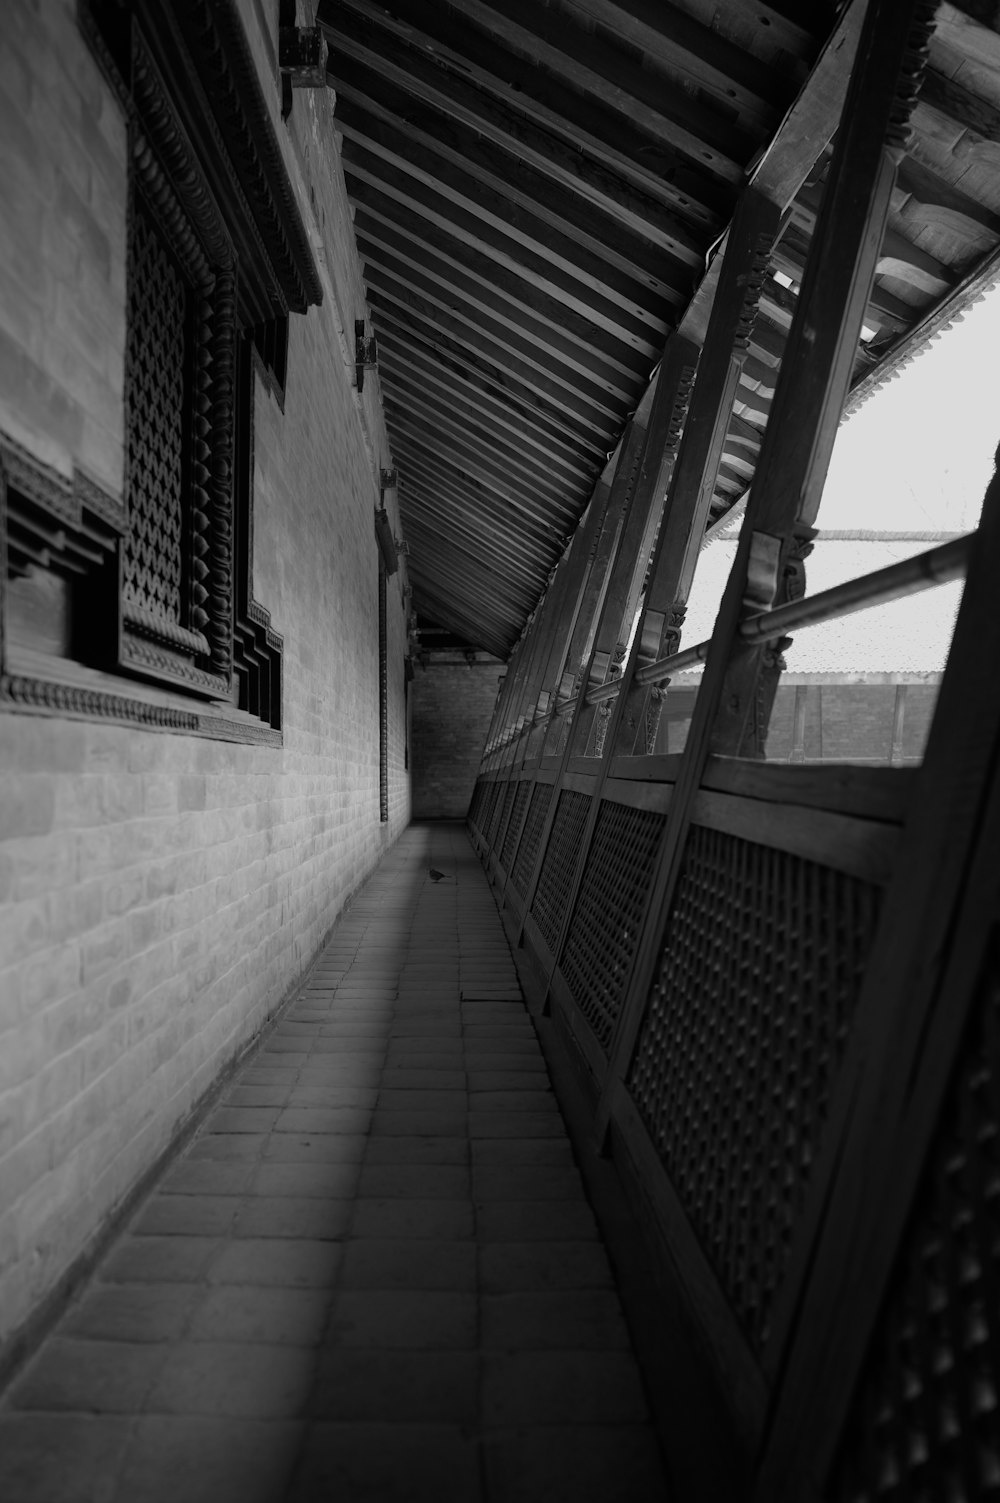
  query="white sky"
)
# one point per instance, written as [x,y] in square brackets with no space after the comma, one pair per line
[918,456]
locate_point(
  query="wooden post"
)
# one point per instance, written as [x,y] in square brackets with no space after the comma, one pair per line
[812,386]
[748,249]
[920,986]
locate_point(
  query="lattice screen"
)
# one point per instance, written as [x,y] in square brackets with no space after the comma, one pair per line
[926,1422]
[559,866]
[602,937]
[522,794]
[490,794]
[744,1028]
[503,820]
[157,321]
[496,813]
[476,803]
[527,851]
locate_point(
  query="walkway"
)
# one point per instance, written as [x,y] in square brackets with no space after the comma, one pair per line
[373,1275]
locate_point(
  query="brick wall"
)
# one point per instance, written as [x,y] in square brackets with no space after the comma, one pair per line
[160,894]
[452,709]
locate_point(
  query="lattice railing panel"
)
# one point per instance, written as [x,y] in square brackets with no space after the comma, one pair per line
[521,796]
[490,794]
[559,865]
[476,803]
[503,822]
[744,1029]
[926,1416]
[496,813]
[527,850]
[157,322]
[600,945]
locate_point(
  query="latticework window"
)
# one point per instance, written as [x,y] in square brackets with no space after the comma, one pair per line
[527,850]
[602,937]
[513,830]
[926,1416]
[744,1029]
[559,866]
[175,567]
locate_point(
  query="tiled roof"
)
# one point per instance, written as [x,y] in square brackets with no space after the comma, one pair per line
[911,635]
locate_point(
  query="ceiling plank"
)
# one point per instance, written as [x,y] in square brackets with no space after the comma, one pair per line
[418,136]
[609,141]
[392,302]
[526,259]
[452,97]
[669,117]
[489,213]
[378,216]
[399,354]
[383,270]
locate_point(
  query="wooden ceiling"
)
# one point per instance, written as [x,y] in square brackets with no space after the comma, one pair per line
[541,186]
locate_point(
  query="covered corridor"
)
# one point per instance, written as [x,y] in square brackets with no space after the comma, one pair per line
[372,1271]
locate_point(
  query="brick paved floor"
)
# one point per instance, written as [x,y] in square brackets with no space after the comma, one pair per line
[373,1275]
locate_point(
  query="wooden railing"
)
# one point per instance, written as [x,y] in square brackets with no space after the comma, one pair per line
[779,983]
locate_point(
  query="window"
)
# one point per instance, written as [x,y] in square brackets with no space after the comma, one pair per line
[158,589]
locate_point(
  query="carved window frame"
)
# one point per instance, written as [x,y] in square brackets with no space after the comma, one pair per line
[207,172]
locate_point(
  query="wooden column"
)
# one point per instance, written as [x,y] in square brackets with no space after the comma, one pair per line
[812,386]
[632,499]
[748,249]
[934,944]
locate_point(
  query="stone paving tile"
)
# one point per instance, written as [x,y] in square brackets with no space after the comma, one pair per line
[561,1388]
[323,1179]
[238,1379]
[160,1260]
[413,1218]
[419,1387]
[312,1148]
[409,1263]
[61,1458]
[89,1376]
[132,1312]
[192,1459]
[292,1317]
[573,1464]
[373,1275]
[422,1320]
[380,1463]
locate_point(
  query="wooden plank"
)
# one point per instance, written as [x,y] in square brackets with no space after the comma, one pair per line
[819,361]
[657,769]
[559,277]
[402,349]
[859,847]
[420,80]
[698,54]
[671,119]
[654,797]
[618,361]
[741,1381]
[530,354]
[812,387]
[811,121]
[441,246]
[628,250]
[394,307]
[461,51]
[565,1010]
[921,982]
[882,793]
